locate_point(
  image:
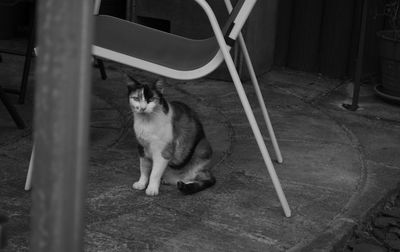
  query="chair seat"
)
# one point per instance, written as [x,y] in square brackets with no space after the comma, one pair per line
[153,45]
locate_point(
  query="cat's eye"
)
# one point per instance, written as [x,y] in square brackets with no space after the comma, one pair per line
[135,98]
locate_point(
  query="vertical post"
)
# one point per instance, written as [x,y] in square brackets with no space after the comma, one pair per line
[61,124]
[359,62]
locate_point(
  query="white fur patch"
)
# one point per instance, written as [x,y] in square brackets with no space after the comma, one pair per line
[153,130]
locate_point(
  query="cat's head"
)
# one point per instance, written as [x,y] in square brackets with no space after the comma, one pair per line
[146,98]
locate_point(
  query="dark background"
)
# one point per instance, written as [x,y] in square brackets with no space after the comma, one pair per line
[317,36]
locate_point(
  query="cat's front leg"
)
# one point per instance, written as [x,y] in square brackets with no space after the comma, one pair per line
[145,168]
[159,166]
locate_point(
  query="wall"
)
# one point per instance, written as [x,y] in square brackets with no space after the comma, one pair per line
[116,8]
[321,36]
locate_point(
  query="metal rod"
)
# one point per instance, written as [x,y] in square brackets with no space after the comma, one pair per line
[11,110]
[246,105]
[13,52]
[11,91]
[61,123]
[359,62]
[102,69]
[28,54]
[260,99]
[245,54]
[28,181]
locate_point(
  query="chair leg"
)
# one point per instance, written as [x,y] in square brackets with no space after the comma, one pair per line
[258,136]
[245,102]
[11,110]
[260,98]
[100,64]
[25,76]
[28,182]
[253,77]
[28,57]
[253,123]
[102,69]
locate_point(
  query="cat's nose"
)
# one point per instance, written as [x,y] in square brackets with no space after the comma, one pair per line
[142,106]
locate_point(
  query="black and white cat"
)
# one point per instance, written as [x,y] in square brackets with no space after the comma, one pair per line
[173,148]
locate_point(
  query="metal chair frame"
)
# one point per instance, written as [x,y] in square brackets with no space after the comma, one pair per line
[224,40]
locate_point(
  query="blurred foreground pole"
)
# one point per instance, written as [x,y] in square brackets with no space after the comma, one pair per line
[62,101]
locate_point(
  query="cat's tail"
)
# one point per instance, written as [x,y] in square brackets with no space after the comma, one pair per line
[197,185]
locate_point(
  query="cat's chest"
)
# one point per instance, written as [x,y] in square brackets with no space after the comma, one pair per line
[153,130]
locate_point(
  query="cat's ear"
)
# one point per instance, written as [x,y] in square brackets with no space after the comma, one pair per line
[159,85]
[131,83]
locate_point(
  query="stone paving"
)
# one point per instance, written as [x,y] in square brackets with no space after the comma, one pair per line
[380,231]
[337,166]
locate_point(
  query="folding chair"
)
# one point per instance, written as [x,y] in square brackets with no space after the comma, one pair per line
[181,58]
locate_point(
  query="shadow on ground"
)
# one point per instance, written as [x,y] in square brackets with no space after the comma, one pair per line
[337,166]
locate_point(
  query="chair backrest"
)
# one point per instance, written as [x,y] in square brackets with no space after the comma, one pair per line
[233,25]
[162,61]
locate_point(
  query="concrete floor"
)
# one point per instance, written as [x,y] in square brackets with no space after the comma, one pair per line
[337,166]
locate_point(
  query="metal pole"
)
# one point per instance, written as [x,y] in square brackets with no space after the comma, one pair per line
[359,62]
[28,53]
[11,109]
[61,124]
[245,54]
[246,105]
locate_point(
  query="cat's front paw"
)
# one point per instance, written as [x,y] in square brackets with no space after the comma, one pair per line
[152,190]
[139,185]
